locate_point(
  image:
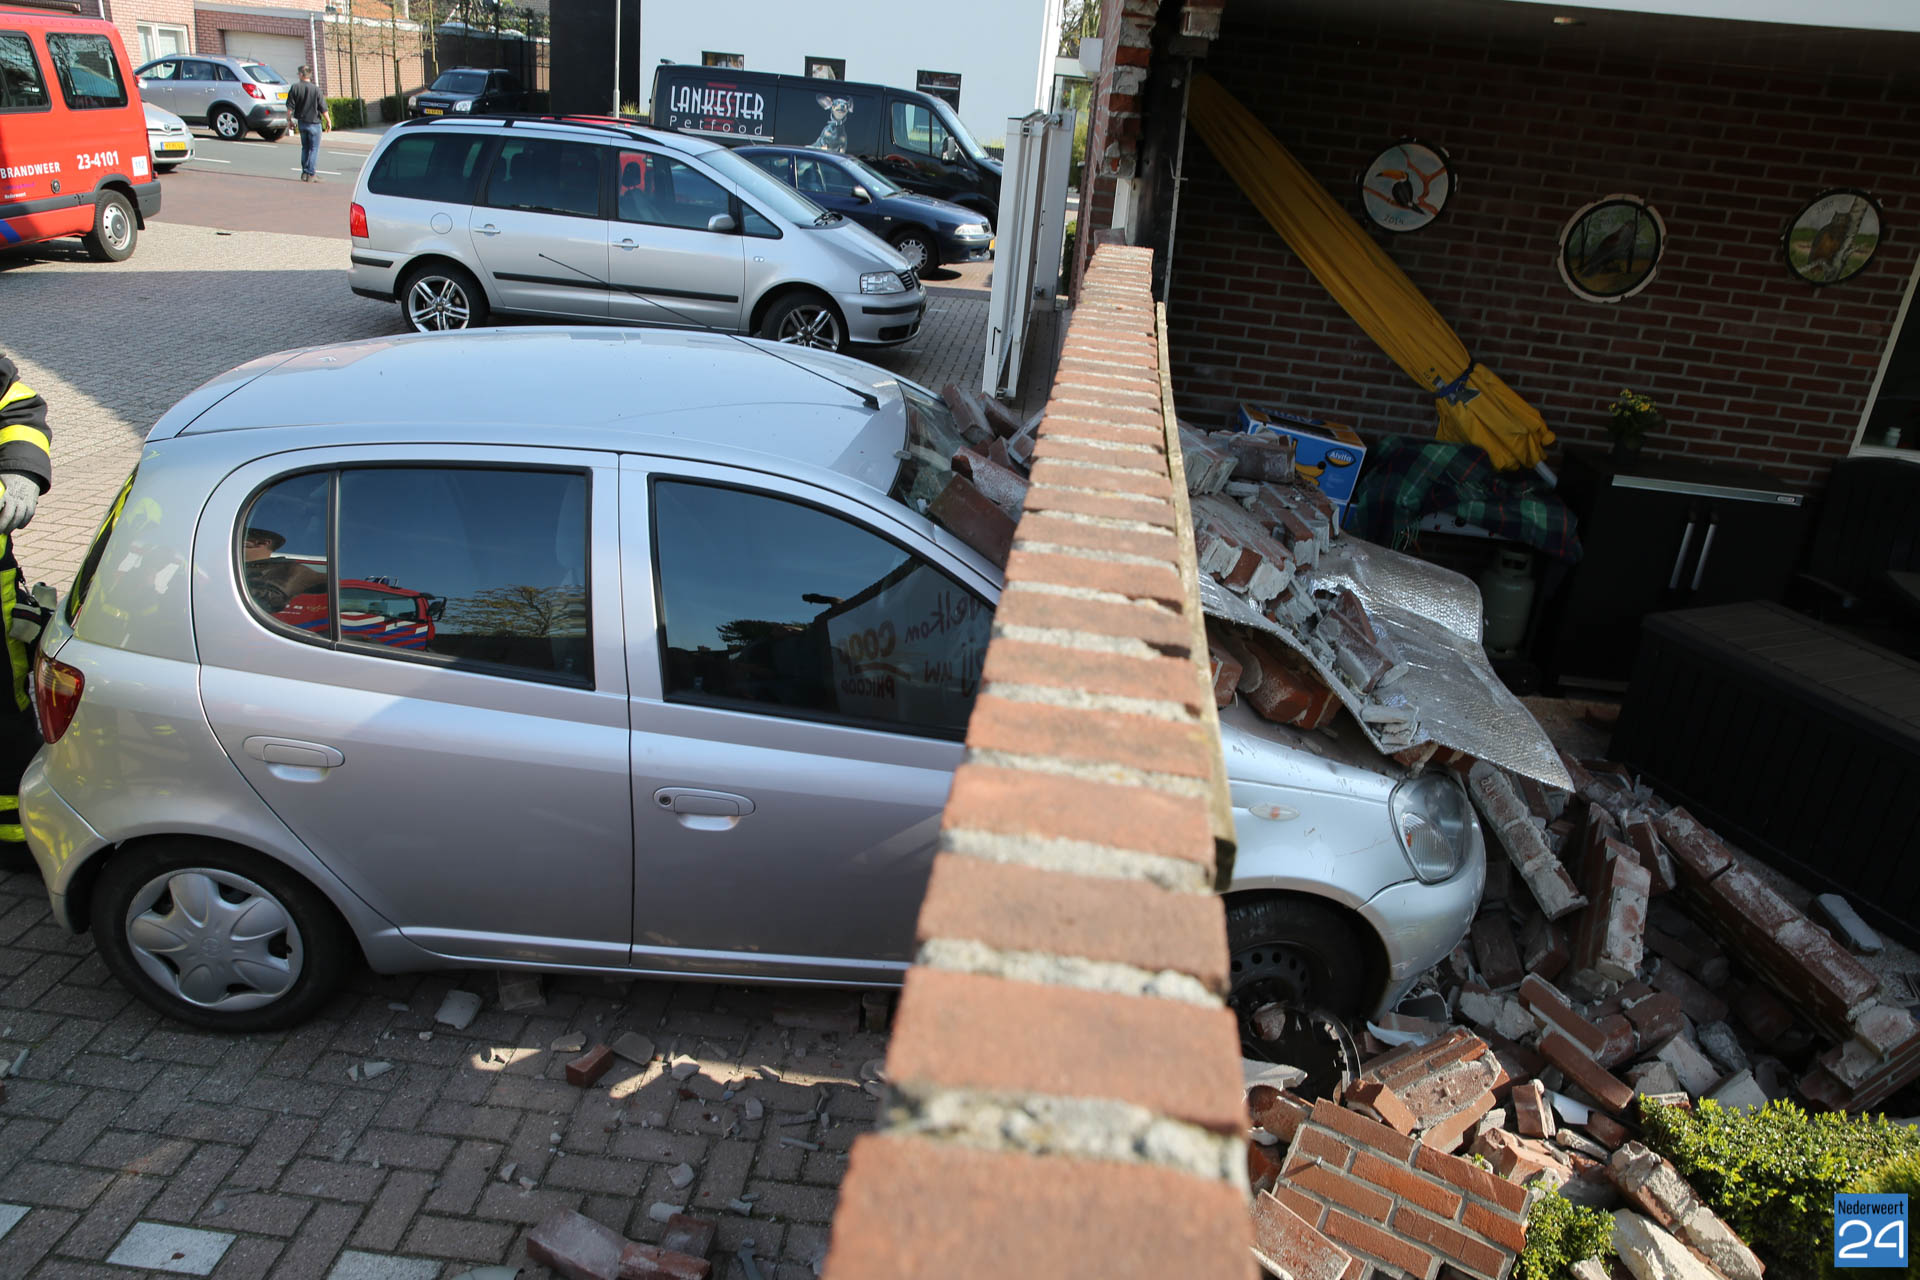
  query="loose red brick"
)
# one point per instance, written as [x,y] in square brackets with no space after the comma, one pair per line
[1263,1166]
[1474,1180]
[576,1246]
[1842,982]
[1762,1013]
[1456,1245]
[913,1210]
[1495,951]
[1543,947]
[1115,675]
[1151,624]
[646,1261]
[1151,743]
[962,1030]
[1546,1001]
[1412,1187]
[1378,1102]
[689,1235]
[589,1066]
[1656,1018]
[1698,850]
[1418,1061]
[1606,1131]
[1532,1113]
[1380,1246]
[1700,1004]
[1306,1208]
[1508,1232]
[1225,670]
[1287,1244]
[1280,1114]
[1320,1145]
[974,518]
[1606,1088]
[1013,802]
[1515,1158]
[1621,1041]
[1338,1188]
[1448,1132]
[1360,1130]
[1119,921]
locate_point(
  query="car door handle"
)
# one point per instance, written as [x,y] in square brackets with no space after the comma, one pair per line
[703,810]
[489,230]
[311,755]
[626,244]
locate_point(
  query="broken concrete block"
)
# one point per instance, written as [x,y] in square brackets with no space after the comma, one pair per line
[1580,1144]
[634,1047]
[1884,1030]
[1531,1114]
[589,1066]
[681,1176]
[1704,1230]
[661,1211]
[1739,1092]
[1377,1102]
[1845,924]
[644,1261]
[1521,1159]
[1501,1014]
[520,990]
[1719,1043]
[1513,827]
[1651,1253]
[1697,1075]
[576,1246]
[685,1069]
[1607,939]
[458,1010]
[572,1043]
[1208,465]
[1655,1188]
[1654,1078]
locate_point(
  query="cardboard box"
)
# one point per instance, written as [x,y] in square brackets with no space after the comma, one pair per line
[1326,454]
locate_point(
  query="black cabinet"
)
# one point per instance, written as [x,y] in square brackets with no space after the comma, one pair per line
[1669,534]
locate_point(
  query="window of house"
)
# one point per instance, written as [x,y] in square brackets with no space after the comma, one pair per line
[157,40]
[778,607]
[824,68]
[429,167]
[664,192]
[544,175]
[88,72]
[731,61]
[21,88]
[418,562]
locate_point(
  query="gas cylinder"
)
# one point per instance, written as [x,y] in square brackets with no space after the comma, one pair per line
[1506,600]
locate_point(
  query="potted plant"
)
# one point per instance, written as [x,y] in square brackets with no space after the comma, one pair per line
[1632,417]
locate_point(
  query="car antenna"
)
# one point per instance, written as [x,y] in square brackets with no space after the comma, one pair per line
[867,397]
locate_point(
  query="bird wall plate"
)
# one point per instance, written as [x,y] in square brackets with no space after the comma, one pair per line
[1407,185]
[1610,249]
[1833,237]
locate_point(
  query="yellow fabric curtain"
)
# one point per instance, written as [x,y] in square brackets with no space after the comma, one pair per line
[1477,409]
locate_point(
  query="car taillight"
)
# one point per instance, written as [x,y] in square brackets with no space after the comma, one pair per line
[253,90]
[357,221]
[56,693]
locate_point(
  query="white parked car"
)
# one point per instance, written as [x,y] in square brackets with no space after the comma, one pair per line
[168,138]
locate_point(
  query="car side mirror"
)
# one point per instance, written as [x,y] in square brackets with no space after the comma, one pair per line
[861,194]
[722,222]
[140,81]
[436,607]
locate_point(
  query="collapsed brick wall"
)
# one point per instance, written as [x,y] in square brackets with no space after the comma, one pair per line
[1066,1092]
[1749,362]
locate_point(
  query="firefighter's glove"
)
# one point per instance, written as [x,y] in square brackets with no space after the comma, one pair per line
[17,503]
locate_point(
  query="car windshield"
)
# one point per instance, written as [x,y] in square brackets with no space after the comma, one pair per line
[766,190]
[926,464]
[263,73]
[460,82]
[959,131]
[877,186]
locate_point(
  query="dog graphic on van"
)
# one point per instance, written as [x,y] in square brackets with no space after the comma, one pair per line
[833,134]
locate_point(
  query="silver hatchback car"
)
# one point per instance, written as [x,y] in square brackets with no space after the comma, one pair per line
[596,650]
[228,95]
[595,220]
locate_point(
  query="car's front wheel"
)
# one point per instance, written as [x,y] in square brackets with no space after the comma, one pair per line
[227,123]
[218,937]
[917,249]
[805,321]
[115,232]
[1299,975]
[440,296]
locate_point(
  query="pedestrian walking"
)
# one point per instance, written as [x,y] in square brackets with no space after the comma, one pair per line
[310,116]
[26,472]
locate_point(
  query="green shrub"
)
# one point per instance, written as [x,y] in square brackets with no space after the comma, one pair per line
[1773,1173]
[1896,1177]
[1559,1234]
[347,113]
[393,107]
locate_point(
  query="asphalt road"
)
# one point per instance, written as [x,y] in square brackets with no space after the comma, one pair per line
[255,157]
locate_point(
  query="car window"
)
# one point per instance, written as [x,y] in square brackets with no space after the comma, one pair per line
[88,72]
[21,88]
[822,177]
[780,167]
[221,71]
[193,69]
[459,82]
[666,193]
[916,129]
[546,175]
[439,166]
[784,609]
[762,188]
[262,73]
[90,563]
[422,562]
[161,71]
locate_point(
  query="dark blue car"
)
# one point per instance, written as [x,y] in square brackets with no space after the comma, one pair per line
[926,231]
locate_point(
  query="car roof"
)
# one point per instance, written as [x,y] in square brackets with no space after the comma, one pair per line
[708,395]
[685,144]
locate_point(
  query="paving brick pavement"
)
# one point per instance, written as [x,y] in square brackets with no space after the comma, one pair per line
[126,1138]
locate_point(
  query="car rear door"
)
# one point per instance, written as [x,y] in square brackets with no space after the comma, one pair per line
[801,670]
[668,266]
[470,784]
[539,230]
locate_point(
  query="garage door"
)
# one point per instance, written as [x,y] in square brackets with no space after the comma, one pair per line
[284,54]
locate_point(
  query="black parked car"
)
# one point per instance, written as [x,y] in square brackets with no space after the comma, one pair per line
[471,90]
[926,231]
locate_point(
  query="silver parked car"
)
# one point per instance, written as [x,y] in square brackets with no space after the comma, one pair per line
[599,221]
[167,138]
[228,95]
[596,650]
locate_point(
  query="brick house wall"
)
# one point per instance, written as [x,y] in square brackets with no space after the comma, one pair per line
[209,23]
[1748,362]
[127,17]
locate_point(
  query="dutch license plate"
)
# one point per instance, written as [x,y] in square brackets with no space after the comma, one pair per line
[173,146]
[433,111]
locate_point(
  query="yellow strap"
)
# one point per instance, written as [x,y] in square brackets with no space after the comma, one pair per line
[31,435]
[12,832]
[17,392]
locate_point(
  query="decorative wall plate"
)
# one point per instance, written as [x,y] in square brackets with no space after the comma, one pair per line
[1833,237]
[1611,249]
[1407,185]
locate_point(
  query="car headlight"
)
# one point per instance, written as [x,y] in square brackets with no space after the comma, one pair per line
[1434,823]
[413,102]
[465,104]
[881,282]
[971,229]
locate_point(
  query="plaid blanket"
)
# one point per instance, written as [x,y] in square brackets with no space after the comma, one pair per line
[1409,477]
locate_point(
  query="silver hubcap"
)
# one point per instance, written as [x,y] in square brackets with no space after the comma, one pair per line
[436,302]
[811,326]
[227,125]
[215,939]
[915,252]
[115,227]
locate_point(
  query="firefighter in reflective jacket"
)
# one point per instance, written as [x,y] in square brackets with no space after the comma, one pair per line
[26,472]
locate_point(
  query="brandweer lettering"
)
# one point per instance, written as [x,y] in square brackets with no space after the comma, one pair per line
[30,170]
[731,104]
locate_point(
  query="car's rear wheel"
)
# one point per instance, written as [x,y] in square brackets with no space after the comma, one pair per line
[227,123]
[805,320]
[440,296]
[1299,975]
[115,233]
[917,249]
[218,937]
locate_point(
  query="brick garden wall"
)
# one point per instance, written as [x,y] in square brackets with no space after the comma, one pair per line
[1065,1082]
[1749,362]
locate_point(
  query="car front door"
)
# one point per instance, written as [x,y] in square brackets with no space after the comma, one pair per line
[828,185]
[802,674]
[465,773]
[675,256]
[921,155]
[157,83]
[538,228]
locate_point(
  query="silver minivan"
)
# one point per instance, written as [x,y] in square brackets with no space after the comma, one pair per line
[600,650]
[228,95]
[607,222]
